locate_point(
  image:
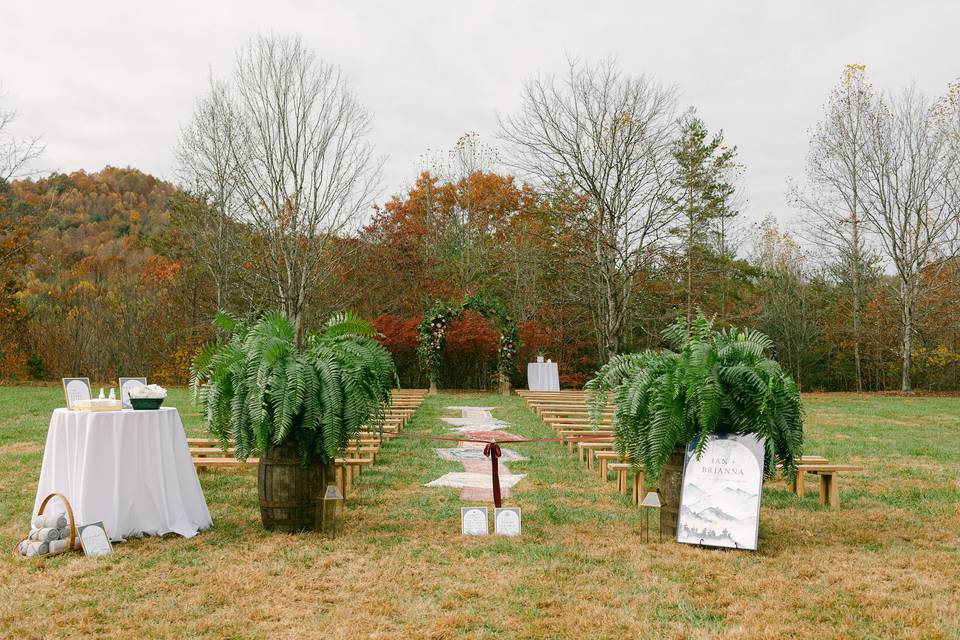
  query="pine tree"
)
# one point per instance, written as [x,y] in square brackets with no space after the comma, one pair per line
[703,193]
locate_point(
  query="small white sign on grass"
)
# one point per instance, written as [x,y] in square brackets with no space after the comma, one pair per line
[507,521]
[94,540]
[473,521]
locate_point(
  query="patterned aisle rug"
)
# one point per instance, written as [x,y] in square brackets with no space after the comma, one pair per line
[475,481]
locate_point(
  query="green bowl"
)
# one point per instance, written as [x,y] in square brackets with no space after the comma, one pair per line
[142,404]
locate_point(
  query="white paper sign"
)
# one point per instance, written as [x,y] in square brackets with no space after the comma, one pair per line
[94,540]
[507,521]
[720,499]
[473,521]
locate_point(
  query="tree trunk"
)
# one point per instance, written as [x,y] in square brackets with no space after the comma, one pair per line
[690,266]
[855,282]
[906,313]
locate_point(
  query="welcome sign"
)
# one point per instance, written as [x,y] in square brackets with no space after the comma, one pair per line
[720,496]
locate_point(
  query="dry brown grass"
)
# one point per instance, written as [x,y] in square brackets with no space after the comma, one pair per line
[886,565]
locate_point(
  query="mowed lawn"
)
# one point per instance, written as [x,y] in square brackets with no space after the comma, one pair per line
[886,565]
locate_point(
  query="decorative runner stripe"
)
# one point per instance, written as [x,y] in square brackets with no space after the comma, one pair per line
[475,482]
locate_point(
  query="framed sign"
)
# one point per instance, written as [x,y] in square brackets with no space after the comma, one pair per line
[94,540]
[506,521]
[125,385]
[75,389]
[720,494]
[473,521]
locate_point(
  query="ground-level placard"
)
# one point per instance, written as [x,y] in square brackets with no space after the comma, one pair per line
[507,521]
[473,521]
[720,495]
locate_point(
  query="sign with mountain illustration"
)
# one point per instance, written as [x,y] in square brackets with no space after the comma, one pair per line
[720,496]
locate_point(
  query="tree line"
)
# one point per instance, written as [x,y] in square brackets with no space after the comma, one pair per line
[601,212]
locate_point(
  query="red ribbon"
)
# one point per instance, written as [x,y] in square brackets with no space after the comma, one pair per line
[493,450]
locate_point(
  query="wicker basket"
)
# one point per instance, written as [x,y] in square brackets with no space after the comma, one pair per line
[73,527]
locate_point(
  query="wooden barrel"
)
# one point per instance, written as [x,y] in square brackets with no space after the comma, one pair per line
[290,494]
[671,478]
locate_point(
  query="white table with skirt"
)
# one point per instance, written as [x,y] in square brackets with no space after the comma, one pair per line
[543,376]
[129,469]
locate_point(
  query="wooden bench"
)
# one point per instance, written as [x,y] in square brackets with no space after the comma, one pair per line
[586,450]
[829,490]
[202,463]
[622,468]
[605,458]
[639,489]
[345,471]
[792,485]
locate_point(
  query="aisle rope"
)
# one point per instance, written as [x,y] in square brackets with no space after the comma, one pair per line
[492,450]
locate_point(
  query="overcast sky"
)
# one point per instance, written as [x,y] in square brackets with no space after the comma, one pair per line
[112,82]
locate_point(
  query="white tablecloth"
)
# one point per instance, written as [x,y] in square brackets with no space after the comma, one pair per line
[129,469]
[543,376]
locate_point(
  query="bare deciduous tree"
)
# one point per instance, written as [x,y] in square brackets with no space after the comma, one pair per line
[15,153]
[206,166]
[907,201]
[300,166]
[601,141]
[835,170]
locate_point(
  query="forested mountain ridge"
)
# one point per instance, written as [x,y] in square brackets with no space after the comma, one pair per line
[97,281]
[102,277]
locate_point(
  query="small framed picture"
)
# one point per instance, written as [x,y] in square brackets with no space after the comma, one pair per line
[75,389]
[94,539]
[473,521]
[125,385]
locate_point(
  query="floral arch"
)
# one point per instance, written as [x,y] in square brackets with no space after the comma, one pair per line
[433,335]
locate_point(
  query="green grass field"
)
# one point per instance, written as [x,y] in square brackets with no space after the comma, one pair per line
[886,565]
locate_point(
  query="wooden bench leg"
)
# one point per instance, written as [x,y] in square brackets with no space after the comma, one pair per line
[829,493]
[801,483]
[603,469]
[589,455]
[580,452]
[341,480]
[639,490]
[622,481]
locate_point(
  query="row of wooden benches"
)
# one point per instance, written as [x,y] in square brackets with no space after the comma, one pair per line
[567,412]
[360,454]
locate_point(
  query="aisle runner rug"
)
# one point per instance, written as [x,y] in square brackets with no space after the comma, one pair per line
[475,481]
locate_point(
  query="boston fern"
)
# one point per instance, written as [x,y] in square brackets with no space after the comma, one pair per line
[713,382]
[259,389]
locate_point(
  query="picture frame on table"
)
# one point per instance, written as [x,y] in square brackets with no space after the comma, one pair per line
[125,389]
[94,540]
[76,389]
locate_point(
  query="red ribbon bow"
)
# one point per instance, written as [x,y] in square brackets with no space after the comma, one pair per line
[493,450]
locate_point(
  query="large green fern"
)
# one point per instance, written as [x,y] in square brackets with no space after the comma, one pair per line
[259,389]
[712,382]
